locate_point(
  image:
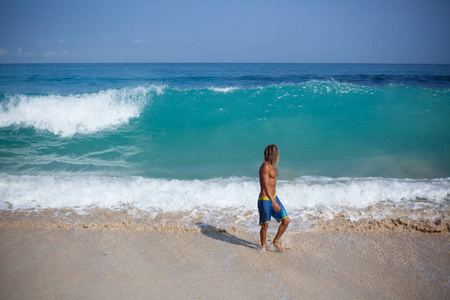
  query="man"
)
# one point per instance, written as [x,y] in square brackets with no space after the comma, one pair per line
[268,203]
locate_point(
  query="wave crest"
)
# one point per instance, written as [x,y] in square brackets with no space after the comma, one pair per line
[75,114]
[222,90]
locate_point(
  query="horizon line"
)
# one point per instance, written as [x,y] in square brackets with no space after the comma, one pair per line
[336,63]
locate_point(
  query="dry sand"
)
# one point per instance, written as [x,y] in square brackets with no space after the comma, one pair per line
[38,262]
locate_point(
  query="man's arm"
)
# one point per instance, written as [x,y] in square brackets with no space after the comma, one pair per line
[265,172]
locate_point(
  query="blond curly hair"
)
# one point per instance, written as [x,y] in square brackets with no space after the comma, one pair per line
[272,154]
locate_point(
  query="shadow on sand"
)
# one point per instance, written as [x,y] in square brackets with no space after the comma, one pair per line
[224,236]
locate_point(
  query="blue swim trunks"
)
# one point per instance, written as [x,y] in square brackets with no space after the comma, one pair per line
[266,210]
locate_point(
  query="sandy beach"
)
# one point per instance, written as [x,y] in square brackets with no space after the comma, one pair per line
[82,262]
[142,142]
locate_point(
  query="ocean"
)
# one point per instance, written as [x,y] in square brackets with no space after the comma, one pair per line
[182,143]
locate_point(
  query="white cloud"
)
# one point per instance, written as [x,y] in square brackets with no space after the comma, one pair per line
[50,53]
[54,53]
[3,52]
[60,41]
[22,52]
[140,42]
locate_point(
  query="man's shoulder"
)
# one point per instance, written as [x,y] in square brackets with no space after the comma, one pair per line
[265,167]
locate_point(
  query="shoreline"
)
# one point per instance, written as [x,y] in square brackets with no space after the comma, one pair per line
[124,220]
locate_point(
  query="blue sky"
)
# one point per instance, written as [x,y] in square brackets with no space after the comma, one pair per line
[316,31]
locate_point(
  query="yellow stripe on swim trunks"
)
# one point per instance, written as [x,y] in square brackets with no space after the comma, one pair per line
[266,198]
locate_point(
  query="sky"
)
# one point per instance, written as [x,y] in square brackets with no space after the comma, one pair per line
[315,31]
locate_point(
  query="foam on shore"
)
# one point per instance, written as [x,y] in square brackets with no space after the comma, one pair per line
[105,219]
[231,203]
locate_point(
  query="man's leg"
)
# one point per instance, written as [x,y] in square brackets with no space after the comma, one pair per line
[263,234]
[281,230]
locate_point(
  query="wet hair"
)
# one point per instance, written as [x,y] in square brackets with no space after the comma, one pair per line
[271,154]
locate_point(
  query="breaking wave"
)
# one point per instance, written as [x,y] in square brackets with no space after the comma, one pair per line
[75,114]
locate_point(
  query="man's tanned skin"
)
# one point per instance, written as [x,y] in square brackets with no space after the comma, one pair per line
[268,181]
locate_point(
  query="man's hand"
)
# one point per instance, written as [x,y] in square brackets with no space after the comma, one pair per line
[276,206]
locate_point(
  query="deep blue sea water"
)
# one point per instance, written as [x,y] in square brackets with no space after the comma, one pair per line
[175,137]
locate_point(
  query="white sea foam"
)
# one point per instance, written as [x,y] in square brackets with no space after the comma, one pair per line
[335,87]
[82,114]
[362,192]
[231,201]
[223,90]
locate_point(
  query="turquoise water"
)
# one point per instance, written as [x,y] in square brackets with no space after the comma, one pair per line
[203,122]
[323,128]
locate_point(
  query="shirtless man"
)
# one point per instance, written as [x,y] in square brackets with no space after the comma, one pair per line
[268,203]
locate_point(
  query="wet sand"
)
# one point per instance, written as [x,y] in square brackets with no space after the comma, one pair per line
[38,262]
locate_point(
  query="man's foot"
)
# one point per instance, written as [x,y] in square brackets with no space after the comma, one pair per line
[277,245]
[263,248]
